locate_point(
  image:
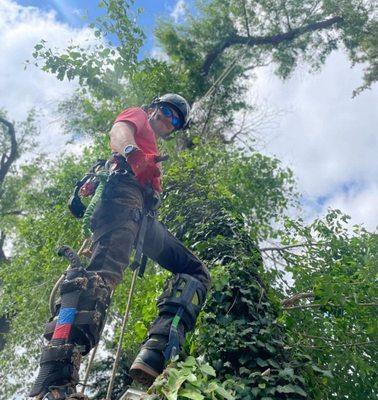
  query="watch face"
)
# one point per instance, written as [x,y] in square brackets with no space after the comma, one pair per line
[129,149]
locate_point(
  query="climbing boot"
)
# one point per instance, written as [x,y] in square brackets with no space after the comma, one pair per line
[150,361]
[65,392]
[58,393]
[59,369]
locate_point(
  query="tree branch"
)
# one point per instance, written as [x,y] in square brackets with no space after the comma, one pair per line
[290,246]
[274,40]
[295,298]
[7,159]
[372,342]
[13,212]
[328,305]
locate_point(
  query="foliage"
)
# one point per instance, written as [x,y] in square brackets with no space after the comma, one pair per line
[220,201]
[241,33]
[193,379]
[338,326]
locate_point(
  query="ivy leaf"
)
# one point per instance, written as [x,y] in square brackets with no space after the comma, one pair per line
[291,389]
[224,393]
[191,394]
[208,370]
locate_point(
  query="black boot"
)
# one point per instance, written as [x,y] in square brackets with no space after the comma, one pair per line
[58,392]
[59,369]
[150,361]
[65,392]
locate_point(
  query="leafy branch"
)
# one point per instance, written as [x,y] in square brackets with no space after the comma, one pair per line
[273,40]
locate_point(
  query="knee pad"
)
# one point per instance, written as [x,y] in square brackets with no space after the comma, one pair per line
[186,293]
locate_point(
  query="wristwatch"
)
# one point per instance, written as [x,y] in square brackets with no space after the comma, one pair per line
[129,149]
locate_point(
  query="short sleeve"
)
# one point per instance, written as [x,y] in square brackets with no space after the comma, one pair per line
[135,116]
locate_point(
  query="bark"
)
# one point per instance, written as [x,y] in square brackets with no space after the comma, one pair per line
[7,158]
[274,40]
[3,258]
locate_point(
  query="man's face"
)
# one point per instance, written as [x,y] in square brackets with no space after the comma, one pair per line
[161,124]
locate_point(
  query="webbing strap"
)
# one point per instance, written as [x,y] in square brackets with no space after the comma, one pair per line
[173,345]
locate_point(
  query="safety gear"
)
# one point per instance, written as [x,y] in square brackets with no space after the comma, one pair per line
[89,316]
[167,112]
[145,168]
[184,292]
[178,103]
[75,330]
[179,306]
[148,364]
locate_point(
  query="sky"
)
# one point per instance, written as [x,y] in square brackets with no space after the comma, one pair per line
[329,139]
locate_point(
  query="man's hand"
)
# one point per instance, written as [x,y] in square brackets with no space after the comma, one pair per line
[145,168]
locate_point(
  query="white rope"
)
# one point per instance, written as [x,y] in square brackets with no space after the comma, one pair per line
[124,323]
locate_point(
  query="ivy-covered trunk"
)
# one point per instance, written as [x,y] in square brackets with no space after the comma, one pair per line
[238,333]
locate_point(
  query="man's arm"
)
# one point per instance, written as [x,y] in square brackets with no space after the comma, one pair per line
[122,135]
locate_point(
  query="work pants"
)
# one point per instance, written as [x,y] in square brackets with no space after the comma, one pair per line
[116,222]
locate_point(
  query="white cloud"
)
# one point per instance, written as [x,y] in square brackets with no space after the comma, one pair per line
[329,139]
[179,10]
[361,205]
[158,53]
[20,29]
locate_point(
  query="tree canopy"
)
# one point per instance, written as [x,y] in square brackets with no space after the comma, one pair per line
[292,311]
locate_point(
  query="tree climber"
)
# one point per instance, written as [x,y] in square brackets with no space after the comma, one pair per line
[129,195]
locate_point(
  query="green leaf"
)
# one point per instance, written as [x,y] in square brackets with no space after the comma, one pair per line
[291,389]
[191,394]
[207,370]
[189,362]
[224,393]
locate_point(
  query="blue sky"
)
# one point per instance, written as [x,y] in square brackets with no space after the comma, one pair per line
[72,12]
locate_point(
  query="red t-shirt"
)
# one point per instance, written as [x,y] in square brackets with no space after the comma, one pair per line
[144,135]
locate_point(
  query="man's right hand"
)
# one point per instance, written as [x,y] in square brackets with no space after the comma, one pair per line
[145,168]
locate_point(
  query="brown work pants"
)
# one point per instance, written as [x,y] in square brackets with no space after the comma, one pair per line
[116,223]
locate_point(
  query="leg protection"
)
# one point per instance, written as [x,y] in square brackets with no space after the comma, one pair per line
[75,329]
[91,307]
[185,294]
[59,365]
[179,306]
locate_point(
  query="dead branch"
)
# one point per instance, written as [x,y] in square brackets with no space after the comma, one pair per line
[274,40]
